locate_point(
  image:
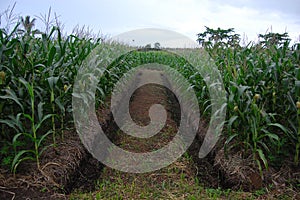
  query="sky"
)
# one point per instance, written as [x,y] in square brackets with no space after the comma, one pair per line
[187,17]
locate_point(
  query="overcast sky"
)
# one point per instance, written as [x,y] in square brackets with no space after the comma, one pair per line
[187,17]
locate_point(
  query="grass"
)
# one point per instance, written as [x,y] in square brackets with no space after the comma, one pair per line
[171,182]
[143,187]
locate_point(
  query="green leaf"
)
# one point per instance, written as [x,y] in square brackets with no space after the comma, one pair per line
[28,87]
[14,141]
[297,72]
[297,87]
[259,167]
[14,122]
[230,138]
[227,143]
[263,158]
[18,122]
[40,110]
[231,120]
[44,148]
[28,116]
[102,94]
[264,145]
[242,89]
[268,134]
[17,159]
[43,137]
[285,130]
[52,81]
[40,122]
[14,169]
[60,105]
[10,123]
[10,94]
[51,55]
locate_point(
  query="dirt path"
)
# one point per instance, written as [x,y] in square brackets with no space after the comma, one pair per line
[165,182]
[141,101]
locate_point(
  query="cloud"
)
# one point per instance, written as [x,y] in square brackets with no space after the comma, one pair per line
[187,17]
[290,7]
[247,17]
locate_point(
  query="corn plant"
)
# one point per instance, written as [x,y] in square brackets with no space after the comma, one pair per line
[262,85]
[31,154]
[37,71]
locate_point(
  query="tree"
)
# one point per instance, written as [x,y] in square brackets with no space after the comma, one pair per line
[213,38]
[148,46]
[271,39]
[157,45]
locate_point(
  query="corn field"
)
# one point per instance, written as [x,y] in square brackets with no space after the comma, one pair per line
[262,82]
